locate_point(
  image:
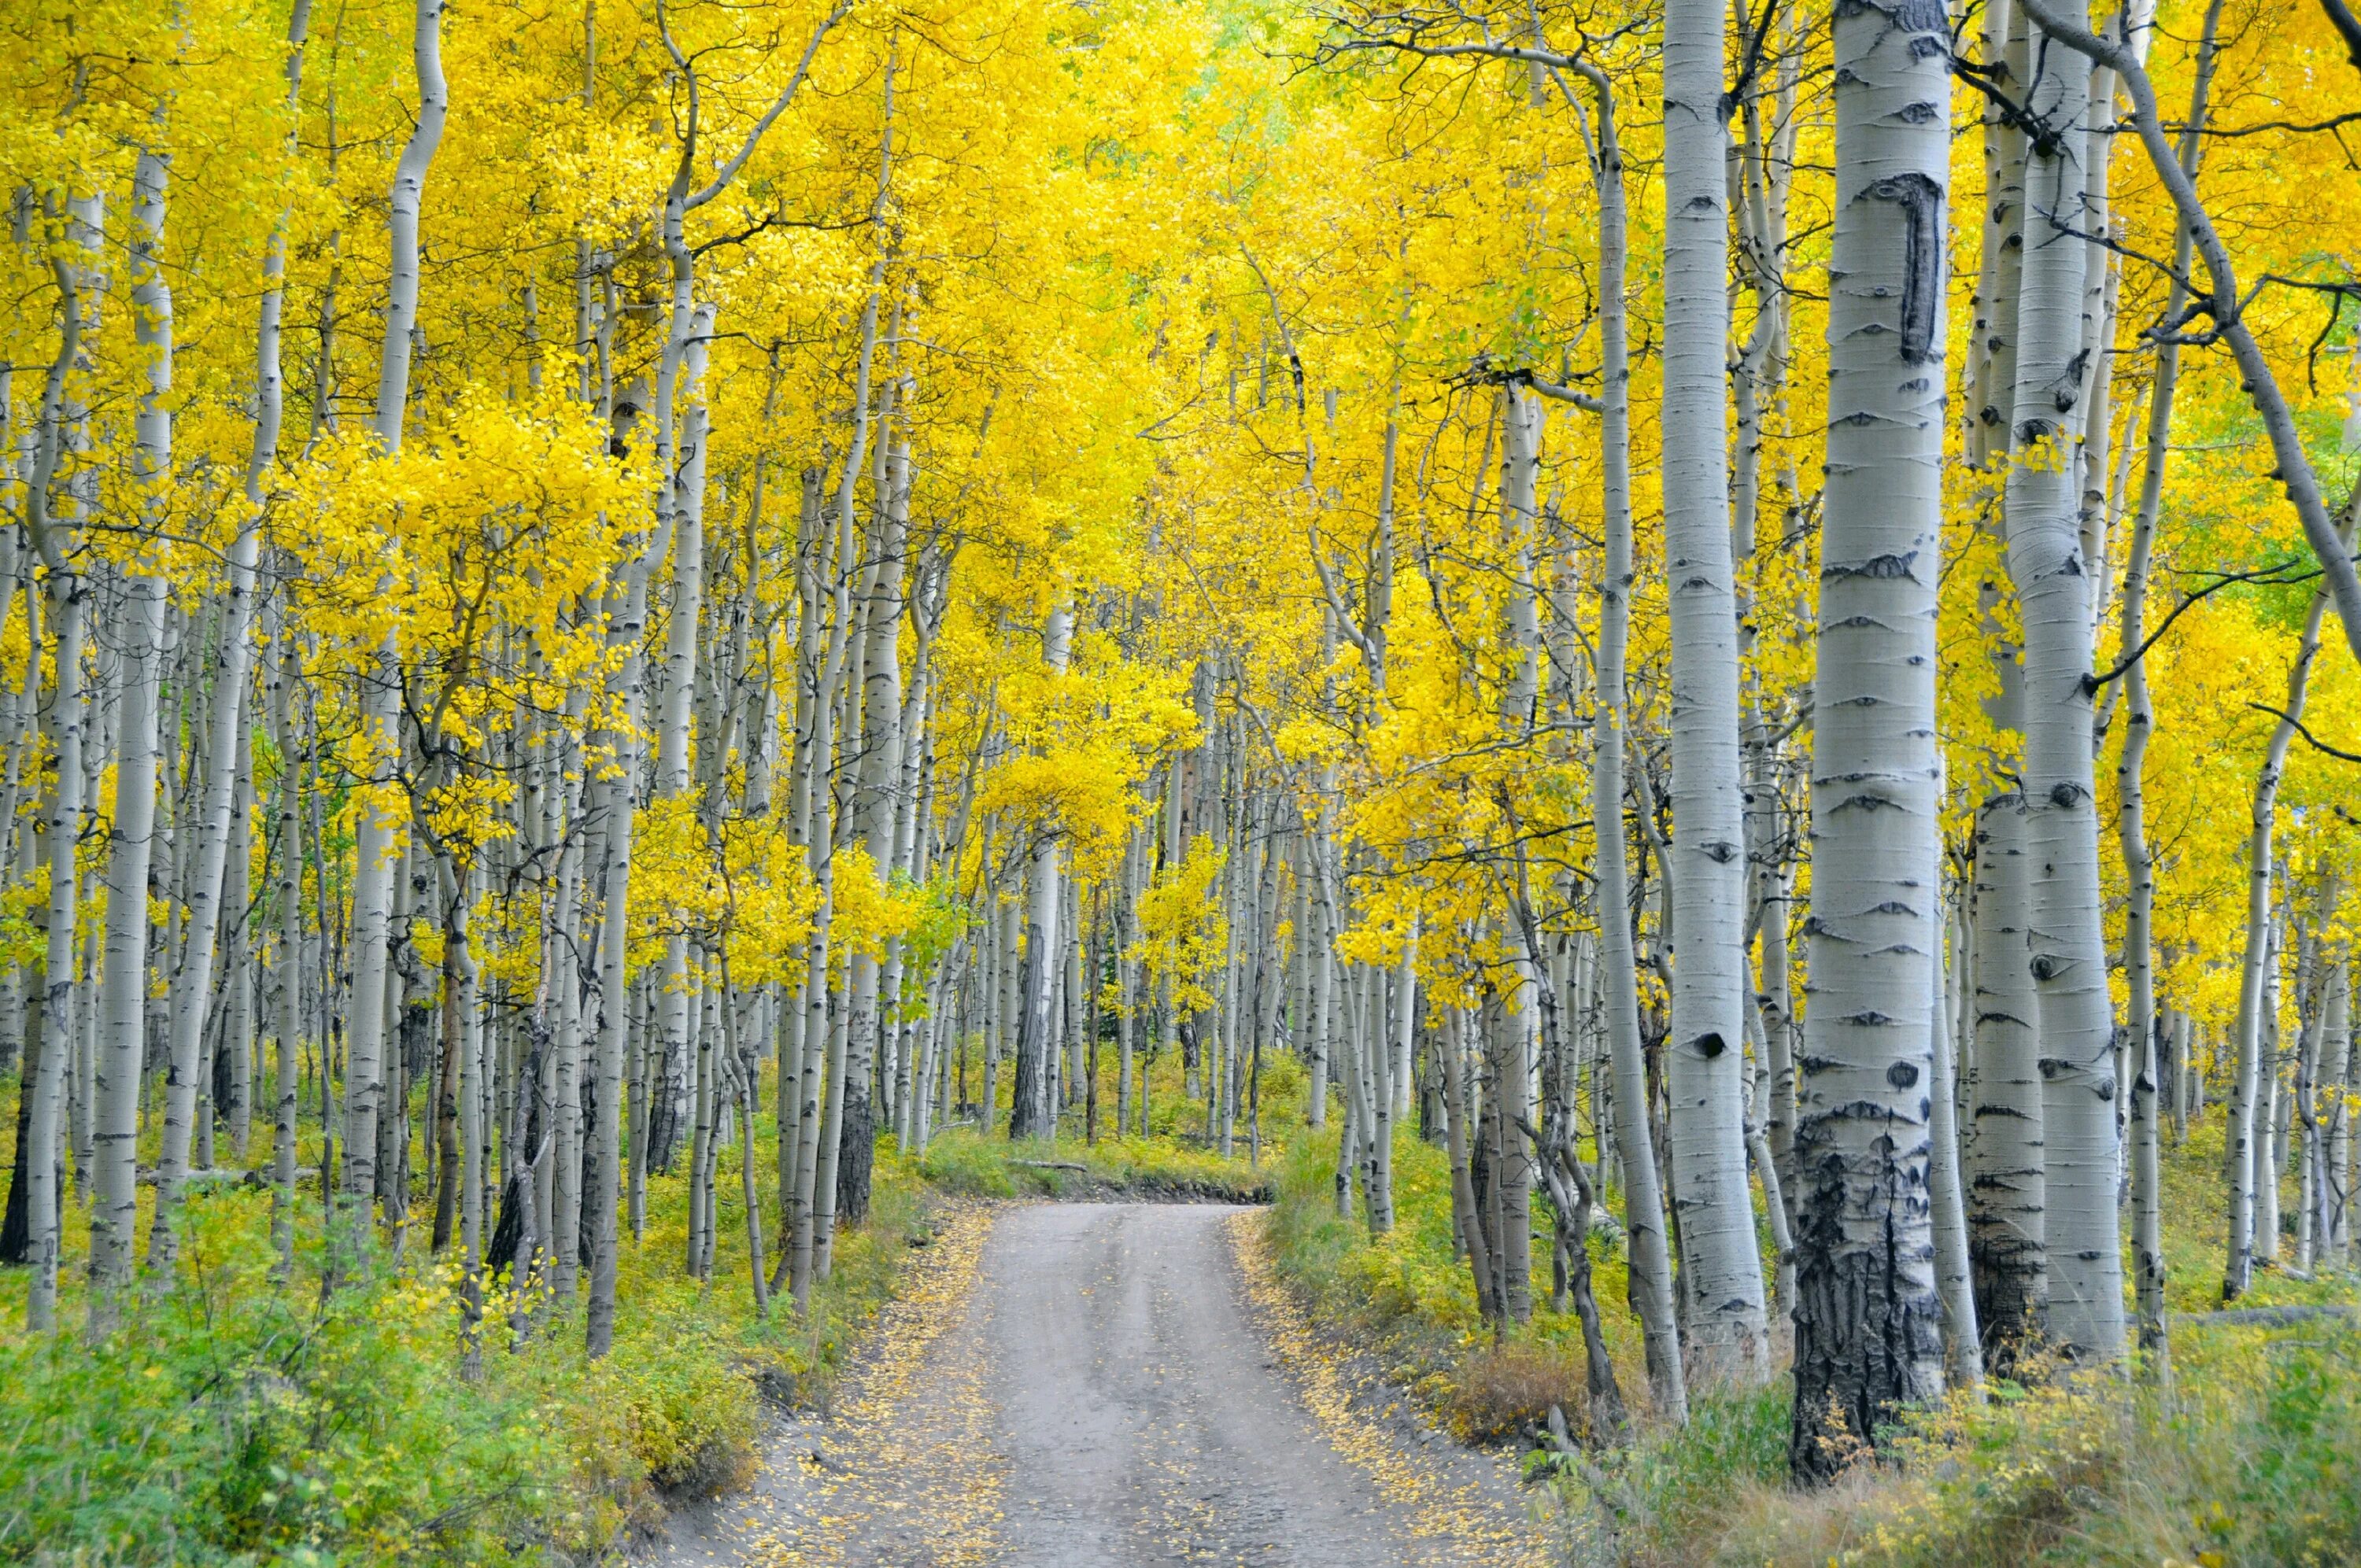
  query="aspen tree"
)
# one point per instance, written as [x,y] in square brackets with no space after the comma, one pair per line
[1032,1113]
[2335,1166]
[1867,1316]
[376,848]
[2067,956]
[874,981]
[2068,24]
[1705,1059]
[2139,724]
[141,633]
[2249,1141]
[48,1058]
[1643,1197]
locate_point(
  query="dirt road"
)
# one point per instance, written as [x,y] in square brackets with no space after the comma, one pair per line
[1080,1385]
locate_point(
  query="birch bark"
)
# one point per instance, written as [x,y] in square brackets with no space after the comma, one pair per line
[1704,1062]
[2247,1138]
[2067,952]
[1650,1266]
[60,818]
[1868,1317]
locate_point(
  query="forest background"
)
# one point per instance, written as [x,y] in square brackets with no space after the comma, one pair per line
[627,631]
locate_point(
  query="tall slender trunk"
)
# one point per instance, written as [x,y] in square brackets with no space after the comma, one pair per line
[2146,1028]
[2247,1141]
[60,821]
[123,1016]
[1651,1259]
[874,979]
[193,987]
[1032,1115]
[827,1026]
[375,853]
[2068,957]
[289,1027]
[1868,1316]
[628,604]
[141,632]
[2066,24]
[1705,1062]
[1470,1224]
[2336,1075]
[1963,1359]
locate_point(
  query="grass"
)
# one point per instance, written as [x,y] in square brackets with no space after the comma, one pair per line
[1407,1298]
[986,1165]
[233,1419]
[1174,1157]
[2251,1455]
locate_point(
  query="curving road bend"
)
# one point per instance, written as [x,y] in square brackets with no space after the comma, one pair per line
[1095,1384]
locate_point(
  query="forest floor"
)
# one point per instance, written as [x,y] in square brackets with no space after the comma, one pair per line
[1080,1384]
[2249,1455]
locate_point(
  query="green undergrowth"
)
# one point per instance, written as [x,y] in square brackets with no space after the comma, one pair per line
[2249,1456]
[1177,1157]
[1407,1297]
[985,1166]
[230,1417]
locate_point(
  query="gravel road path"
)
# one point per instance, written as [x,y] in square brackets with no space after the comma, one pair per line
[1092,1384]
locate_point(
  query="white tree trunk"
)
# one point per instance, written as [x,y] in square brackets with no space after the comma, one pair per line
[61,806]
[2146,1030]
[289,1027]
[1031,1115]
[1704,1061]
[2067,945]
[2336,1072]
[2066,24]
[1963,1355]
[233,664]
[1651,1256]
[123,1001]
[140,637]
[1868,1317]
[2246,1140]
[374,849]
[874,981]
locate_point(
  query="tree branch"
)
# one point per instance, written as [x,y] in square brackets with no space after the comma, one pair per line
[2294,471]
[2090,684]
[728,171]
[2317,743]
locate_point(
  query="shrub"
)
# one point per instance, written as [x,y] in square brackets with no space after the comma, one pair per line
[1505,1391]
[229,1421]
[981,1164]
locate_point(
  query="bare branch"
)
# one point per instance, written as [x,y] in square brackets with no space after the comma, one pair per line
[2317,743]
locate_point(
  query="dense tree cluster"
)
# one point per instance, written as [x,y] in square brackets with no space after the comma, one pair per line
[1660,596]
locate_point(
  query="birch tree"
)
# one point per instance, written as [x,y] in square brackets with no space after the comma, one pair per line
[1868,1339]
[2067,954]
[1705,1062]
